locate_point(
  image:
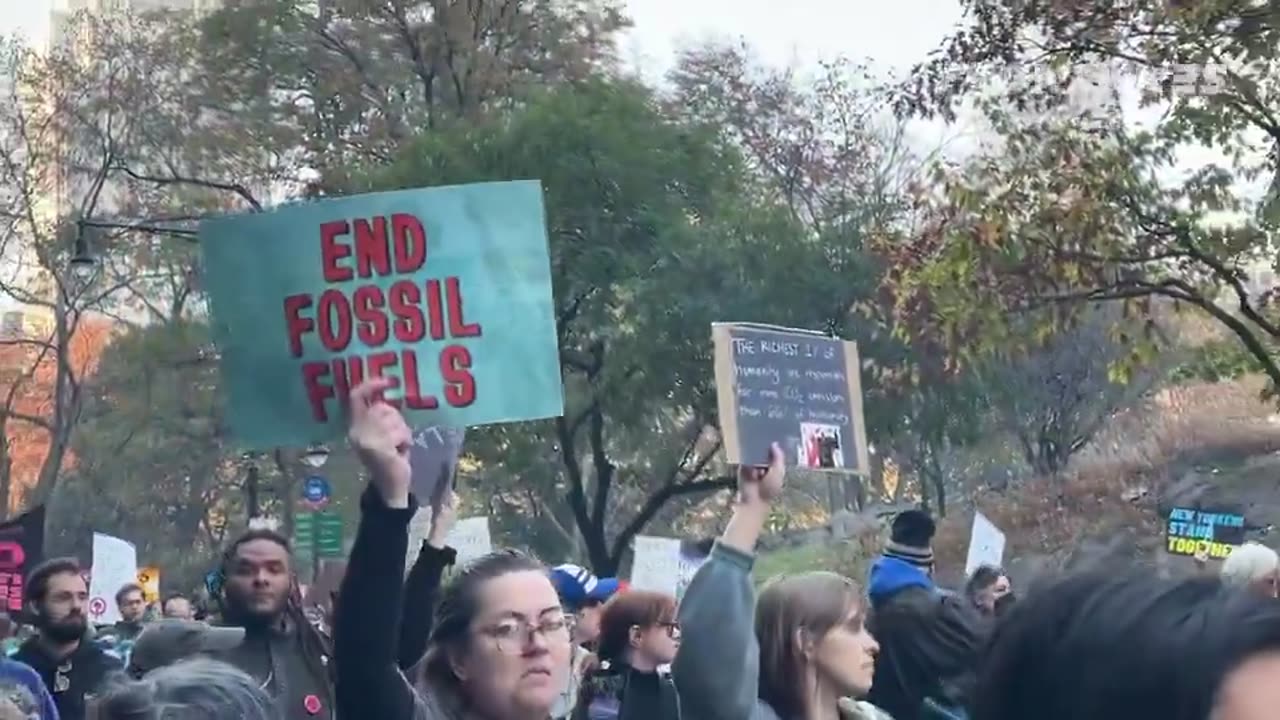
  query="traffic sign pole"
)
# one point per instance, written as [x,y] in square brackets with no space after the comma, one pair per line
[316,494]
[315,546]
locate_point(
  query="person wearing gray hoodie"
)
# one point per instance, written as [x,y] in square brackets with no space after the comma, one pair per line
[804,652]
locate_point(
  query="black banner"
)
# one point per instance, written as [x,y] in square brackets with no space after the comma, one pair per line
[21,549]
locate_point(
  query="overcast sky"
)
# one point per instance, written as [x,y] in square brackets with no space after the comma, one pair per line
[892,34]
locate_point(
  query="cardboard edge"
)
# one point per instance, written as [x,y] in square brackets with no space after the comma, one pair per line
[726,391]
[853,376]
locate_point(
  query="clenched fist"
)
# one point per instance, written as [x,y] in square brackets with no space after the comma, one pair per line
[381,439]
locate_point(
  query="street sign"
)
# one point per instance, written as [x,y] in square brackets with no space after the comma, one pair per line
[316,492]
[329,535]
[320,533]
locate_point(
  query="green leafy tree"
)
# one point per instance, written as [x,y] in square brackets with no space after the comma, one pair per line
[656,231]
[89,150]
[152,464]
[828,153]
[1055,397]
[1065,210]
[324,87]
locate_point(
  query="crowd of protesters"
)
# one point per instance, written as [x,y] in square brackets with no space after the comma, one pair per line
[507,638]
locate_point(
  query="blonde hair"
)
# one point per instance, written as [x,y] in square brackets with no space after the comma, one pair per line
[1249,562]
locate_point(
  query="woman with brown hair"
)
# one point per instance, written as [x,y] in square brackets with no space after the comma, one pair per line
[809,654]
[638,635]
[500,644]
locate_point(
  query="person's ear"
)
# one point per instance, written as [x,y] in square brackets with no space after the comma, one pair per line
[635,635]
[804,644]
[457,664]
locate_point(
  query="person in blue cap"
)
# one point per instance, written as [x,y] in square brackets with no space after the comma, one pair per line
[582,594]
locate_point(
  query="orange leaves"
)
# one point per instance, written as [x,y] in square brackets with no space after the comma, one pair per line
[30,368]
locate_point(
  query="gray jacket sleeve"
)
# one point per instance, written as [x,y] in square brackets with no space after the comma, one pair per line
[717,669]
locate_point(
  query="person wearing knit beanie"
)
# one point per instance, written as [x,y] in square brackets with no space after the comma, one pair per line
[930,640]
[911,539]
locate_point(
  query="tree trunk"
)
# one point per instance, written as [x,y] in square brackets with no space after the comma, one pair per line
[66,406]
[285,491]
[6,475]
[931,474]
[251,492]
[602,563]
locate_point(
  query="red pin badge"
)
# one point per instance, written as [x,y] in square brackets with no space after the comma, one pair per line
[312,704]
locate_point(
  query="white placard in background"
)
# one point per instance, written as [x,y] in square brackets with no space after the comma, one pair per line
[688,568]
[470,537]
[419,528]
[115,564]
[986,545]
[655,566]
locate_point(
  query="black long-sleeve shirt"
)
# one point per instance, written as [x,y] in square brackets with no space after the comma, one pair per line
[420,594]
[369,612]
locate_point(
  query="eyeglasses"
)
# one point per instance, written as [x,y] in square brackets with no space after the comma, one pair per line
[513,635]
[672,628]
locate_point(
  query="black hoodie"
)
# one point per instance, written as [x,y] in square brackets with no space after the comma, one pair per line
[84,672]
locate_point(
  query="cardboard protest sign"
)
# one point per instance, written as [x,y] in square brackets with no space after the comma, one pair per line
[21,549]
[665,565]
[149,579]
[1192,531]
[655,564]
[446,289]
[419,530]
[115,564]
[471,538]
[986,545]
[433,458]
[800,389]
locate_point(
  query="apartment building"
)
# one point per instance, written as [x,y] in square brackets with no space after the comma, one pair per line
[43,25]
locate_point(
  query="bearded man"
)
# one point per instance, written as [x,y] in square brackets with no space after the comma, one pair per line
[283,650]
[71,666]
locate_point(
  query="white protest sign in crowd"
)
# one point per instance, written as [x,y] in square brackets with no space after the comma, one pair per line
[660,565]
[656,564]
[470,537]
[115,564]
[986,545]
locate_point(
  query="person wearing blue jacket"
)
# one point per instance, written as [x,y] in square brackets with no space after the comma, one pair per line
[21,686]
[930,639]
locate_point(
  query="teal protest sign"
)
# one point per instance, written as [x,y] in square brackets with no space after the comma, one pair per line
[447,289]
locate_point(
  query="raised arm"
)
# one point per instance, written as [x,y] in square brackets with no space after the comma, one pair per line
[717,669]
[369,680]
[423,584]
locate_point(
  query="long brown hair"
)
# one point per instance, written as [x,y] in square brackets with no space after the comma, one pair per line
[810,604]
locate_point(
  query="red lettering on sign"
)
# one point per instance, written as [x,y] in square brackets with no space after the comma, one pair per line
[331,251]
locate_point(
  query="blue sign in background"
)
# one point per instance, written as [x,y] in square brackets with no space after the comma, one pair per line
[315,489]
[1189,530]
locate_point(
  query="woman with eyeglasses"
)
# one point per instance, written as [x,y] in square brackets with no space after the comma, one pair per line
[500,645]
[639,636]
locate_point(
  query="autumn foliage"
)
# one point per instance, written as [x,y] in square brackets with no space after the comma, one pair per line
[28,366]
